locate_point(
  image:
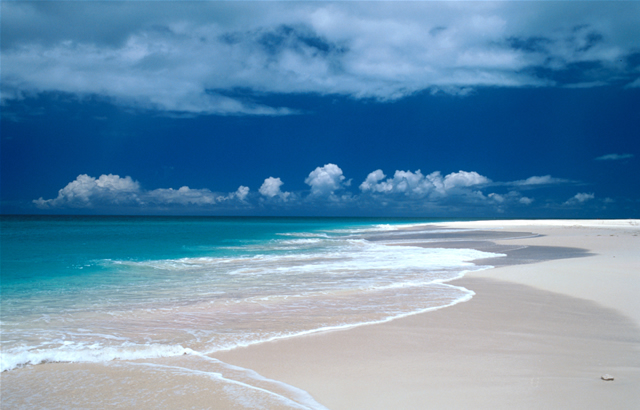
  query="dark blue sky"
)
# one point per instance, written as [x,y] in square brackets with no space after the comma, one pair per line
[289,110]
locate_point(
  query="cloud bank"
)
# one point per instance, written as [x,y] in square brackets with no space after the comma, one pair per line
[114,191]
[224,57]
[417,185]
[328,189]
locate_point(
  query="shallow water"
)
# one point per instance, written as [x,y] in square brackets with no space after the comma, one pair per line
[97,289]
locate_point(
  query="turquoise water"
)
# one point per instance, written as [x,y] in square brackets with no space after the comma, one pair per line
[46,247]
[103,288]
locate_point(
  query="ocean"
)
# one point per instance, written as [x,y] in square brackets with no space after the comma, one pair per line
[113,289]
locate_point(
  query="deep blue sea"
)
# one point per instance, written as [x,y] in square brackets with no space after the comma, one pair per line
[101,288]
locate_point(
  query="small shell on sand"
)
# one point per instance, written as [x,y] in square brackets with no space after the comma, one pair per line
[607,377]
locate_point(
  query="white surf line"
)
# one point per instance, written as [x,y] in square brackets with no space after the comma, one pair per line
[309,402]
[302,395]
[466,298]
[12,360]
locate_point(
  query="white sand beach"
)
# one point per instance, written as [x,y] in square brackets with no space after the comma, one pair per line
[535,336]
[538,334]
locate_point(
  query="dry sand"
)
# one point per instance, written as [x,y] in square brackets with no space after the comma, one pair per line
[610,276]
[535,336]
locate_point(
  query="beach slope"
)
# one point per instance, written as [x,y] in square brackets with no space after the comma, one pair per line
[537,334]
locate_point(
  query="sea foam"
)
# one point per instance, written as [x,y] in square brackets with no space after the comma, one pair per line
[301,283]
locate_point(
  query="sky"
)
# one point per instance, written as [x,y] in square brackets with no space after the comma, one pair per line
[418,109]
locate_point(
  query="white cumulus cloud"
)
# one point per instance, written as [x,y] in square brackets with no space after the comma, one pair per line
[85,191]
[241,193]
[417,185]
[324,181]
[371,183]
[464,179]
[403,182]
[271,188]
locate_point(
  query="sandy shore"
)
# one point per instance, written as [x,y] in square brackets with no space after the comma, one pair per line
[561,310]
[610,276]
[536,335]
